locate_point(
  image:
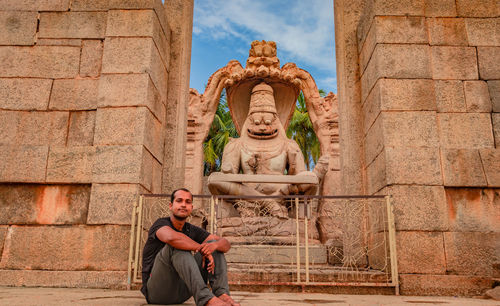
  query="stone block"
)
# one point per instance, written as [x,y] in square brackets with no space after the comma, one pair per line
[118,164]
[72,25]
[35,5]
[494,90]
[400,8]
[74,94]
[440,8]
[156,175]
[75,42]
[465,130]
[64,279]
[81,128]
[130,90]
[398,62]
[3,234]
[147,165]
[24,94]
[472,253]
[398,94]
[477,97]
[454,63]
[159,72]
[40,128]
[414,95]
[376,176]
[447,31]
[490,159]
[90,63]
[446,285]
[104,5]
[419,208]
[129,125]
[17,28]
[473,209]
[420,252]
[39,61]
[483,31]
[415,165]
[8,129]
[450,97]
[112,203]
[496,128]
[67,248]
[127,55]
[44,204]
[139,23]
[70,164]
[488,58]
[410,129]
[462,167]
[23,163]
[478,8]
[395,30]
[374,140]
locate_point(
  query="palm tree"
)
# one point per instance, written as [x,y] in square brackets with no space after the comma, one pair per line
[222,128]
[301,130]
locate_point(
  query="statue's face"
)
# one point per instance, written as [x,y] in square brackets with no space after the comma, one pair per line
[263,125]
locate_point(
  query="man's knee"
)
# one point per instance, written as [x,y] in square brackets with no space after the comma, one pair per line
[181,255]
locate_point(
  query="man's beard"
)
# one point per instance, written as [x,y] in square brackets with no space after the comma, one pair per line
[180,218]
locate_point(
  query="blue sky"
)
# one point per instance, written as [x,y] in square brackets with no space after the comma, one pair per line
[303,31]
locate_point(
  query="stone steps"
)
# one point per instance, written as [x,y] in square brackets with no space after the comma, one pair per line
[275,254]
[280,273]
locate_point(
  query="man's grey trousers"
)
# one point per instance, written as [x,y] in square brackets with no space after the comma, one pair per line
[177,275]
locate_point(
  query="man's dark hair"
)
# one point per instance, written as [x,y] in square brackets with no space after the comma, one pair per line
[172,196]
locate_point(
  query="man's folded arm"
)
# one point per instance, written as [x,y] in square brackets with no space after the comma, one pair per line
[219,244]
[176,239]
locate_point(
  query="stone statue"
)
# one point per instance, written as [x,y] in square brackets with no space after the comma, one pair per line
[263,148]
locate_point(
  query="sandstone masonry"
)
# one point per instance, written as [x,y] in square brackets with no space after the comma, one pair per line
[83,122]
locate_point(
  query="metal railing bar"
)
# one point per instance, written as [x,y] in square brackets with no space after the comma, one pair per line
[159,195]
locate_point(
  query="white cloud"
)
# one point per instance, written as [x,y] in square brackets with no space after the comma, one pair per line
[328,83]
[303,30]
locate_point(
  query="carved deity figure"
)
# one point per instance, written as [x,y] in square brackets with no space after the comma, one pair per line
[263,148]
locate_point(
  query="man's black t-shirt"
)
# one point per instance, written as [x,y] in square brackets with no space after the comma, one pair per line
[154,245]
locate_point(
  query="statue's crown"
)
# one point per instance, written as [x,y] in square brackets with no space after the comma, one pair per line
[262,87]
[262,104]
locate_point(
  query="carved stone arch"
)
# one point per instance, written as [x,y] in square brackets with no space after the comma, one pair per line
[262,66]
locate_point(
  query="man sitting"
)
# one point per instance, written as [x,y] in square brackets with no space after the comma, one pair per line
[170,273]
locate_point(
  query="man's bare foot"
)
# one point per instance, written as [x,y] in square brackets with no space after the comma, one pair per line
[226,298]
[215,301]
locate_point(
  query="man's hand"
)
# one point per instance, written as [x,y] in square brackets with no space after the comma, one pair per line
[207,248]
[210,265]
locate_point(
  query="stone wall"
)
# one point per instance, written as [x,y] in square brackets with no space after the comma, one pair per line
[424,92]
[83,122]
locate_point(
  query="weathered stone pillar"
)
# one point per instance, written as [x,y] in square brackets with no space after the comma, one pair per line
[180,15]
[347,16]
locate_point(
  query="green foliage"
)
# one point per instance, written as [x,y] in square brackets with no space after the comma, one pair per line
[222,128]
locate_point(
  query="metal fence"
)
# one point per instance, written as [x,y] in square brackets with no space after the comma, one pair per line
[279,240]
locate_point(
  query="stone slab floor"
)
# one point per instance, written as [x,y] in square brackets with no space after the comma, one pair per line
[68,296]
